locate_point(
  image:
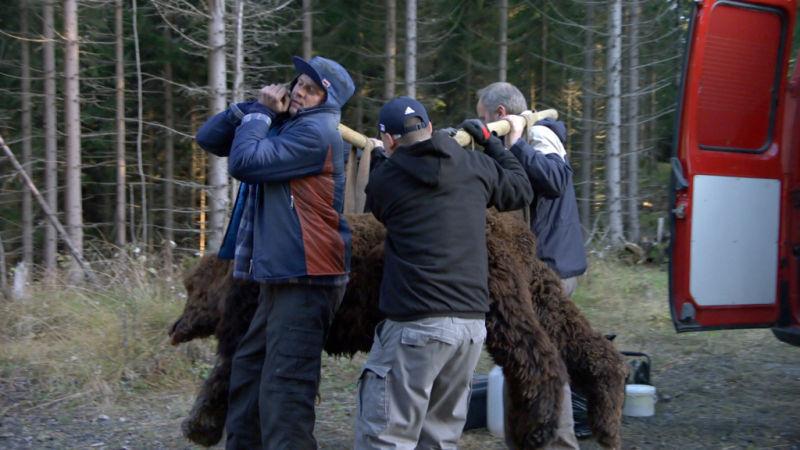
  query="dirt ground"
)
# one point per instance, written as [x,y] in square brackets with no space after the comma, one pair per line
[717,390]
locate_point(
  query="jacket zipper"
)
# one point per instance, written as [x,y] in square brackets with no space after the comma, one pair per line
[291,201]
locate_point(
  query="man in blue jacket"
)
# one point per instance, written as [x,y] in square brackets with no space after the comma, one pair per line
[432,197]
[288,233]
[554,210]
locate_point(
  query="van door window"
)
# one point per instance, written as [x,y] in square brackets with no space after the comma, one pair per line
[740,77]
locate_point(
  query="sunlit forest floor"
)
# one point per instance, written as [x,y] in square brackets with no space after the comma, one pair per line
[92,368]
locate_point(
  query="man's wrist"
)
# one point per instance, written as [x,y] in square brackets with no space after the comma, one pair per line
[242,109]
[239,110]
[259,107]
[494,147]
[512,139]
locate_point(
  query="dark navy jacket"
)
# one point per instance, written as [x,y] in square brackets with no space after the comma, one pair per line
[432,197]
[295,167]
[554,210]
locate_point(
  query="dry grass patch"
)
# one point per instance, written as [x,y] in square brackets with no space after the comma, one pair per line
[104,340]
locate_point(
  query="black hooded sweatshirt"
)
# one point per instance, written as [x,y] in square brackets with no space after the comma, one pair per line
[432,197]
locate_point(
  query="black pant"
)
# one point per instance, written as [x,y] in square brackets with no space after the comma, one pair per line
[276,369]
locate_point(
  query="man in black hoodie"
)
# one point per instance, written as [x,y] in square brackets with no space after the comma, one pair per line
[432,196]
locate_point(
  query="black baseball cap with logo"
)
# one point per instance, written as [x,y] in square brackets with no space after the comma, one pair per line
[393,116]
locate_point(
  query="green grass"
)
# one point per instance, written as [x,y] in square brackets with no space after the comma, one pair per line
[618,297]
[632,302]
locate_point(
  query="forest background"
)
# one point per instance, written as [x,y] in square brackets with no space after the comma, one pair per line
[99,100]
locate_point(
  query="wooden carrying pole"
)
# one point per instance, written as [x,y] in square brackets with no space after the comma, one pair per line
[48,212]
[358,172]
[502,127]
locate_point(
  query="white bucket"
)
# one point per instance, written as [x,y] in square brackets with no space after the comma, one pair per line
[640,400]
[494,402]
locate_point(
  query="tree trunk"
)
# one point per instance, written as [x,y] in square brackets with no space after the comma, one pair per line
[390,58]
[502,40]
[199,178]
[238,53]
[150,155]
[587,137]
[131,211]
[3,271]
[613,163]
[218,167]
[411,48]
[25,104]
[468,104]
[50,139]
[169,162]
[652,137]
[73,205]
[140,124]
[308,29]
[359,113]
[633,125]
[543,77]
[119,209]
[238,76]
[73,249]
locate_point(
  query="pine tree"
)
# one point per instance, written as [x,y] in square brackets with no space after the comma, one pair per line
[73,201]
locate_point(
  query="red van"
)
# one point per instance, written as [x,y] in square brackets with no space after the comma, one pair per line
[735,188]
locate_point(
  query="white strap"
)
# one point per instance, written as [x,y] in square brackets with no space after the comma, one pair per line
[257,116]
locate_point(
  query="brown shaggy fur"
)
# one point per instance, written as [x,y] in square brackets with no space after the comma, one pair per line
[537,335]
[516,339]
[213,294]
[594,365]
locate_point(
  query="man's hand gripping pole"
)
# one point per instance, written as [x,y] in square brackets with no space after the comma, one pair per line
[502,127]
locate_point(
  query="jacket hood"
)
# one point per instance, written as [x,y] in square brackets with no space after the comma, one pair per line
[557,127]
[422,160]
[329,75]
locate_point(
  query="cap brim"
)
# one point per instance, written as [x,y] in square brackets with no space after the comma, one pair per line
[301,66]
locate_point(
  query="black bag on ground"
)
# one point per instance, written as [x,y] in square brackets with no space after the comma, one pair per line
[580,415]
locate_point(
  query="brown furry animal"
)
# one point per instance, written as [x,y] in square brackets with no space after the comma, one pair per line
[537,335]
[213,294]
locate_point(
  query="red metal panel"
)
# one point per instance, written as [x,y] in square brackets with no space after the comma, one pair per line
[736,78]
[731,124]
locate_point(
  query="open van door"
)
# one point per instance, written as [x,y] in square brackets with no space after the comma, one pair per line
[734,249]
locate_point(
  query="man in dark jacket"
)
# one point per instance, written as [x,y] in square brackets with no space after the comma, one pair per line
[432,197]
[288,233]
[554,210]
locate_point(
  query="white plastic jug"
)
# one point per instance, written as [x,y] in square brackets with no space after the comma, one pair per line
[495,413]
[640,400]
